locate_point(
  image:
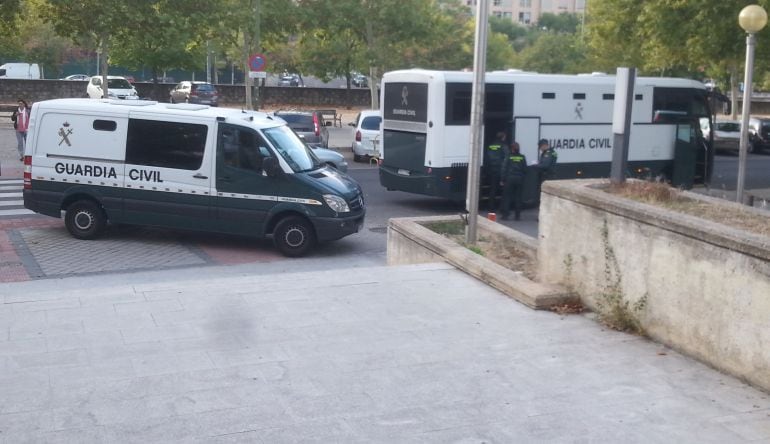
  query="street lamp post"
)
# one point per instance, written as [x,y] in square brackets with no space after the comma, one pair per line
[752,19]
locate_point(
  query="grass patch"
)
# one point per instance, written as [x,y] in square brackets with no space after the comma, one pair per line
[660,194]
[499,251]
[447,228]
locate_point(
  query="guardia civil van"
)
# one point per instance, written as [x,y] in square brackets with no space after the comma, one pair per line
[183,166]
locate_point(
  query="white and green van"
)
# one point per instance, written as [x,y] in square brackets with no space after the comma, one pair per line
[183,166]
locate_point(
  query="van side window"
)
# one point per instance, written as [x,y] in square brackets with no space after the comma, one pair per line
[241,148]
[105,125]
[165,144]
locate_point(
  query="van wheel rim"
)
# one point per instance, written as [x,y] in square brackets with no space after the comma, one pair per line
[83,220]
[294,237]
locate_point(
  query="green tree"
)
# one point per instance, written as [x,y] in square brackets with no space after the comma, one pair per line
[565,23]
[652,36]
[554,53]
[161,35]
[88,20]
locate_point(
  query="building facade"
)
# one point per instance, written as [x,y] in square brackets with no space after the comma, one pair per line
[527,12]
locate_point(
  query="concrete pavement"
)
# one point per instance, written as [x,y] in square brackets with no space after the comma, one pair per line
[368,354]
[313,350]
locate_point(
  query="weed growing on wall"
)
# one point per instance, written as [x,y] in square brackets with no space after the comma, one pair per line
[615,310]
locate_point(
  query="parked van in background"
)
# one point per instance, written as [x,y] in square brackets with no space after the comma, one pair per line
[183,166]
[19,71]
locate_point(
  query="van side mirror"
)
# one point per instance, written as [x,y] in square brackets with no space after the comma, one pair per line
[271,166]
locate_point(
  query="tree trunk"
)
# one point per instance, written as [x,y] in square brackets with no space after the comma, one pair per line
[105,66]
[734,92]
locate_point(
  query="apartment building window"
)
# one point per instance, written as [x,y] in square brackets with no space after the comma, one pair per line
[497,3]
[525,3]
[508,15]
[525,17]
[497,14]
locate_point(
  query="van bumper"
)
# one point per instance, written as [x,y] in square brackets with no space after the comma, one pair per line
[48,203]
[332,228]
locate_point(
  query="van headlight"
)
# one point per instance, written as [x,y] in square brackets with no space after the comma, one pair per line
[336,203]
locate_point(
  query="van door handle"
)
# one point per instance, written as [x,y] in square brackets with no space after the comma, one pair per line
[200,176]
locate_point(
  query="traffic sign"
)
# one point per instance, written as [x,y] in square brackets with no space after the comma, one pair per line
[257,75]
[257,62]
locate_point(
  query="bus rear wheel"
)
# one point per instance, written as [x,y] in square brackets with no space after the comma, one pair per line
[294,236]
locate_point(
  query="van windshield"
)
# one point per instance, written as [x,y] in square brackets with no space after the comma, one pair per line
[296,153]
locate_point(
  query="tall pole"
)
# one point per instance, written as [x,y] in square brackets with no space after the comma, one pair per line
[621,123]
[208,61]
[752,19]
[743,148]
[477,122]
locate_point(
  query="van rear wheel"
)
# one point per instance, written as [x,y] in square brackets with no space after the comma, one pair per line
[85,220]
[294,236]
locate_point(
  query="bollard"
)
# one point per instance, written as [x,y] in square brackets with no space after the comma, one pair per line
[492,217]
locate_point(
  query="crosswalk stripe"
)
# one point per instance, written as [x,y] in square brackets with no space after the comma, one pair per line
[10,192]
[18,212]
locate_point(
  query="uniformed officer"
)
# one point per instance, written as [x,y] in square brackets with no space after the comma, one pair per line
[494,155]
[512,175]
[546,163]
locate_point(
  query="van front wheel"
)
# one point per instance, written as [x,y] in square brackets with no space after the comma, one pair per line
[85,220]
[294,236]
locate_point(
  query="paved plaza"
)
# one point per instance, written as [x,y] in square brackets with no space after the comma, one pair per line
[262,353]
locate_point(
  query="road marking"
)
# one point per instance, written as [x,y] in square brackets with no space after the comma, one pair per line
[10,192]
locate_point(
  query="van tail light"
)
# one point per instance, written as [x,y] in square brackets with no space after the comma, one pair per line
[27,172]
[358,136]
[315,125]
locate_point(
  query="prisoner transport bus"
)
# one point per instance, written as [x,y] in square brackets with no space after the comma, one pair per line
[426,127]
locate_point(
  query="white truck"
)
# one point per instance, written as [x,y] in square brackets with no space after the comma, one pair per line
[19,71]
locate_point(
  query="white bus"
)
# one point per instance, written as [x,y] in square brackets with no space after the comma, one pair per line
[426,127]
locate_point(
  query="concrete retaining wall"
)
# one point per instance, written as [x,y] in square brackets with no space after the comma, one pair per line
[707,285]
[37,90]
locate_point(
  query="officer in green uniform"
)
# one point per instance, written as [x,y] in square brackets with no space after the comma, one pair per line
[512,175]
[546,163]
[494,155]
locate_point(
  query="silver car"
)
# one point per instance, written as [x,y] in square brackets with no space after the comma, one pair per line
[331,158]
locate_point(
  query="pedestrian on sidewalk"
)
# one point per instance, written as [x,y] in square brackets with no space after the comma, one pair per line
[20,119]
[512,175]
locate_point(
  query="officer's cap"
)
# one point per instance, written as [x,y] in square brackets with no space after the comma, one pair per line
[542,142]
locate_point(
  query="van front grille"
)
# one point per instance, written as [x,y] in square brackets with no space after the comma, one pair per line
[356,203]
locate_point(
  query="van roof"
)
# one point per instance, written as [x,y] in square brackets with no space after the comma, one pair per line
[117,106]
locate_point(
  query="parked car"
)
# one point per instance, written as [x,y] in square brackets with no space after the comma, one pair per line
[727,135]
[310,125]
[77,77]
[759,134]
[194,92]
[367,135]
[117,88]
[331,158]
[290,79]
[359,80]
